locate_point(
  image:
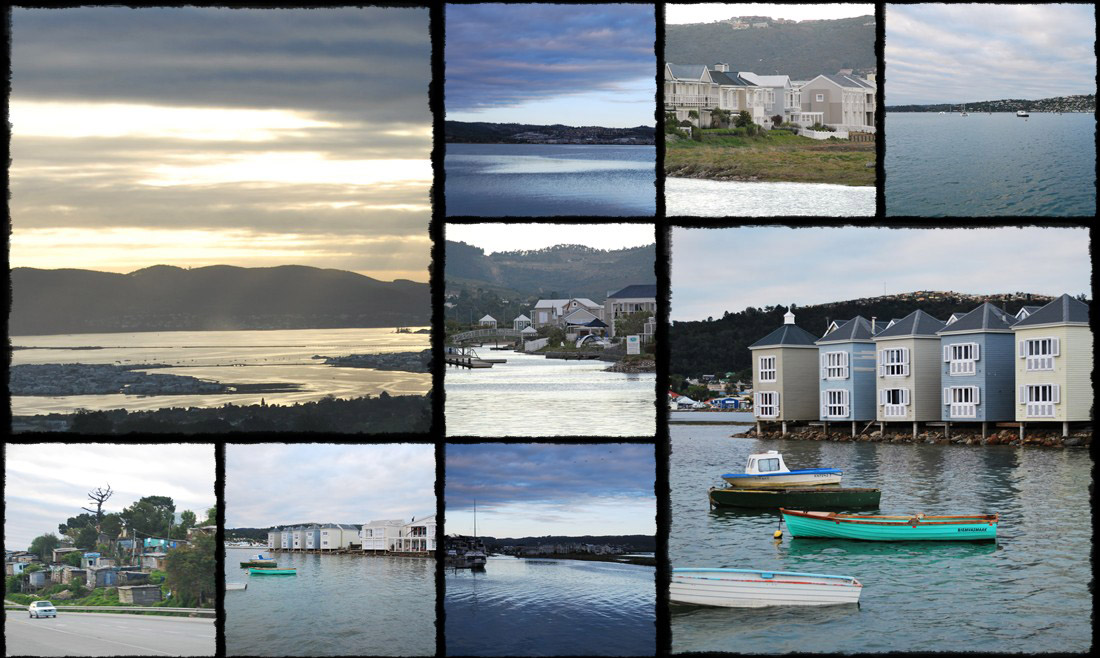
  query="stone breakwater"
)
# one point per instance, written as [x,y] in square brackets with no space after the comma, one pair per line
[405,361]
[633,367]
[958,436]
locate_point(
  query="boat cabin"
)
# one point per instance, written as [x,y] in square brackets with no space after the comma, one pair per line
[766,462]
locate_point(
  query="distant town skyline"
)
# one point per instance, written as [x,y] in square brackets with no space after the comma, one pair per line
[551,64]
[708,12]
[216,136]
[806,266]
[958,53]
[497,236]
[538,489]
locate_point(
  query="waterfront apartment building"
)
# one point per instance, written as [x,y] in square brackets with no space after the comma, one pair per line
[337,536]
[908,377]
[637,298]
[784,374]
[286,542]
[274,539]
[1053,358]
[379,536]
[846,102]
[977,369]
[311,538]
[846,372]
[417,536]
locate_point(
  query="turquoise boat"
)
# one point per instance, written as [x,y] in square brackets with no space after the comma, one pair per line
[272,571]
[974,527]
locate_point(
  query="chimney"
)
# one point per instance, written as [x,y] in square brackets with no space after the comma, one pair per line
[872,325]
[788,317]
[871,78]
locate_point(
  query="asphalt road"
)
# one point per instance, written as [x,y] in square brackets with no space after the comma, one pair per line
[96,634]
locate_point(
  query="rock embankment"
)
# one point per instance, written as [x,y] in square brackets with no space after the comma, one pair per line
[52,379]
[404,361]
[958,436]
[645,365]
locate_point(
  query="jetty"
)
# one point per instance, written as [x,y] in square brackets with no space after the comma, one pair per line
[466,357]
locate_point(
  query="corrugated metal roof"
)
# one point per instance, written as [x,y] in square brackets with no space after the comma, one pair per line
[644,290]
[858,328]
[986,317]
[917,323]
[786,334]
[1064,310]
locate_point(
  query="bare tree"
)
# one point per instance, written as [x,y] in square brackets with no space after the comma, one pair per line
[99,496]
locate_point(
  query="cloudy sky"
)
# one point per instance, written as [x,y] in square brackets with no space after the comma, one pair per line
[957,53]
[537,489]
[592,65]
[493,237]
[718,270]
[275,484]
[708,12]
[45,484]
[248,137]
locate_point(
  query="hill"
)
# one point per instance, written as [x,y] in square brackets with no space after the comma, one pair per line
[645,543]
[464,132]
[219,297]
[1080,103]
[718,346]
[801,50]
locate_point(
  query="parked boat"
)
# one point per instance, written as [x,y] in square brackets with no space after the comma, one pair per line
[964,112]
[749,588]
[803,497]
[259,561]
[972,527]
[272,571]
[766,470]
[1022,113]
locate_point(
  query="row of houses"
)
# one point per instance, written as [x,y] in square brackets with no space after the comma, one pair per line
[982,366]
[387,536]
[843,101]
[580,315]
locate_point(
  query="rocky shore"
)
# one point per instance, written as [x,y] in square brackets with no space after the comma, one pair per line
[642,366]
[404,361]
[935,435]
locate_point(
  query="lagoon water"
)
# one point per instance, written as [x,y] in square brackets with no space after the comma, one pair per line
[497,180]
[987,165]
[535,396]
[237,357]
[691,197]
[336,605]
[547,607]
[1026,593]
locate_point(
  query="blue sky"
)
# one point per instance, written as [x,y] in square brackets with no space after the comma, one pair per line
[279,483]
[538,489]
[45,484]
[718,270]
[588,65]
[956,53]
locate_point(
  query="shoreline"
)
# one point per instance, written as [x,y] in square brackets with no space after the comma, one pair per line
[958,435]
[584,557]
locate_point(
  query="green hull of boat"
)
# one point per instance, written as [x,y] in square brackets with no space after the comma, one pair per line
[272,572]
[798,498]
[974,531]
[256,563]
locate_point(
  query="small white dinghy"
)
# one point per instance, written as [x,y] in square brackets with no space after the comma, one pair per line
[767,470]
[749,588]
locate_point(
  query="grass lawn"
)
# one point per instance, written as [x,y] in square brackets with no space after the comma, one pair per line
[777,157]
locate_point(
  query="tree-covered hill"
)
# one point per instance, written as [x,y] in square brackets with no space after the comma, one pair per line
[1079,103]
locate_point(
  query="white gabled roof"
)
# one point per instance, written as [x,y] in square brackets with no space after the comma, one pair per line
[488,318]
[766,80]
[529,330]
[522,318]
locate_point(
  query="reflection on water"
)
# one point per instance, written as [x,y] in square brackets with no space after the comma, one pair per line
[336,605]
[526,607]
[236,357]
[692,197]
[535,396]
[1027,592]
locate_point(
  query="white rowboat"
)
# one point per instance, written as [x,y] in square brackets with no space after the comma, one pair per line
[748,588]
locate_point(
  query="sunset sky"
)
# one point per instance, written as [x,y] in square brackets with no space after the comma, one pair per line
[246,137]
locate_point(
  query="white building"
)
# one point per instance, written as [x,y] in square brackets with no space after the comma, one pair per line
[559,312]
[381,535]
[846,102]
[418,536]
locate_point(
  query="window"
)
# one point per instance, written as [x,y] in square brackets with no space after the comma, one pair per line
[767,368]
[834,365]
[893,362]
[962,400]
[961,358]
[767,465]
[820,98]
[767,404]
[1039,399]
[894,401]
[1039,352]
[834,403]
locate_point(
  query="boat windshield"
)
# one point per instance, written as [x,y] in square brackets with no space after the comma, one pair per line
[768,465]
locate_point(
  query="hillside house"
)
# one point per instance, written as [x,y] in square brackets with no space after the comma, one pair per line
[846,102]
[908,378]
[977,370]
[140,594]
[846,372]
[736,94]
[784,375]
[557,312]
[690,87]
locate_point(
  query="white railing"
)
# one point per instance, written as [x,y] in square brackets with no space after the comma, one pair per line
[894,410]
[964,410]
[1040,410]
[691,100]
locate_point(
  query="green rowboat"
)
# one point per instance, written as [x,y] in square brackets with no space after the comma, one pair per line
[974,527]
[272,571]
[801,497]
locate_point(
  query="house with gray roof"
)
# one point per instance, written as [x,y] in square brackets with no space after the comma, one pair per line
[977,371]
[689,87]
[846,102]
[784,374]
[637,298]
[737,94]
[908,370]
[1054,364]
[846,373]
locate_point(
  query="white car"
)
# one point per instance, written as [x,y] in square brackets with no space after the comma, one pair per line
[42,609]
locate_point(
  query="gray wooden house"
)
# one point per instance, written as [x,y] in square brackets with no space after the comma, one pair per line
[784,375]
[977,370]
[908,370]
[846,372]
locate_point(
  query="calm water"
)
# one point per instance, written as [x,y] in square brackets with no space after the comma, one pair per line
[535,396]
[1026,593]
[496,180]
[545,607]
[692,197]
[237,357]
[737,420]
[985,165]
[337,605]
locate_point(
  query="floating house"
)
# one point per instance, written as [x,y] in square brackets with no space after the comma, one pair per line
[1054,364]
[784,375]
[846,373]
[977,368]
[908,377]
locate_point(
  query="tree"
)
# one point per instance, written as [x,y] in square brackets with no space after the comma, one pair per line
[111,525]
[151,515]
[99,496]
[43,546]
[72,526]
[776,120]
[630,324]
[211,516]
[743,119]
[189,572]
[72,559]
[86,538]
[187,520]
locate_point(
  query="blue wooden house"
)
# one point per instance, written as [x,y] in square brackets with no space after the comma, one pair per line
[846,354]
[978,370]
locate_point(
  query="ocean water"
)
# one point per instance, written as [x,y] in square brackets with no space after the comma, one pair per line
[693,197]
[547,607]
[336,605]
[535,396]
[235,357]
[497,180]
[1026,593]
[987,165]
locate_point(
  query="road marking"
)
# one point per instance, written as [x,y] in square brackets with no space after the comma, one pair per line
[132,646]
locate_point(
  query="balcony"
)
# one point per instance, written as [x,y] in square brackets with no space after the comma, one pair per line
[691,100]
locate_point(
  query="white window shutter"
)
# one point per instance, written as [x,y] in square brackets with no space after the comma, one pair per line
[1021,395]
[1021,348]
[882,396]
[946,396]
[844,363]
[756,400]
[1056,393]
[946,353]
[881,368]
[1054,346]
[977,395]
[977,351]
[905,396]
[776,403]
[824,403]
[824,364]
